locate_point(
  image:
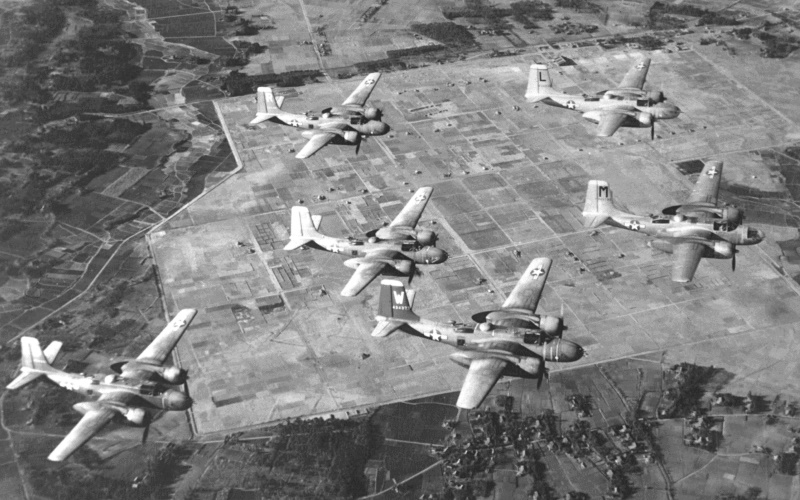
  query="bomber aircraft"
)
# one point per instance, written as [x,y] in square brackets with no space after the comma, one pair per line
[348,123]
[511,341]
[699,228]
[398,245]
[626,106]
[139,384]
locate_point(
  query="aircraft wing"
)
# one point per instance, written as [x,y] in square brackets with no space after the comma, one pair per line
[362,92]
[159,349]
[411,213]
[367,271]
[706,190]
[317,142]
[635,76]
[481,377]
[686,257]
[529,288]
[89,425]
[609,122]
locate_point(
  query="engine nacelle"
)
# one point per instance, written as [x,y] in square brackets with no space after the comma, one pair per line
[661,245]
[530,365]
[645,119]
[136,415]
[372,113]
[425,237]
[351,136]
[552,326]
[733,215]
[655,96]
[403,266]
[720,250]
[173,375]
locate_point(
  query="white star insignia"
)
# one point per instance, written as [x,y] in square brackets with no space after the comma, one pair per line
[369,82]
[640,65]
[635,225]
[537,272]
[420,197]
[180,323]
[711,173]
[571,104]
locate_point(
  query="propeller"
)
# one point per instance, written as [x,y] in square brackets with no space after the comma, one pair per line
[733,259]
[360,137]
[543,373]
[652,130]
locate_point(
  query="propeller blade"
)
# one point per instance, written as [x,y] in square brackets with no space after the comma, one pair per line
[733,261]
[145,433]
[358,142]
[652,130]
[542,375]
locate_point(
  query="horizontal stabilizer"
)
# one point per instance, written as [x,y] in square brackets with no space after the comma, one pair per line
[23,379]
[386,327]
[303,228]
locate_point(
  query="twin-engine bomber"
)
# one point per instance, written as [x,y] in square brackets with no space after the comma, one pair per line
[511,341]
[348,123]
[399,245]
[699,228]
[626,106]
[139,385]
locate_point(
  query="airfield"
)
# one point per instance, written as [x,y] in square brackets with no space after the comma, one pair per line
[275,340]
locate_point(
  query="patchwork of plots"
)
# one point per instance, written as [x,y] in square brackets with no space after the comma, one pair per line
[274,339]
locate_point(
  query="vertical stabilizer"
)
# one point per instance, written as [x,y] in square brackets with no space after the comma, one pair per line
[395,302]
[266,105]
[599,204]
[304,228]
[34,361]
[394,308]
[539,84]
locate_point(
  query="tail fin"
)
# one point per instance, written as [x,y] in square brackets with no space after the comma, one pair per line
[599,204]
[394,308]
[539,83]
[304,228]
[266,105]
[35,362]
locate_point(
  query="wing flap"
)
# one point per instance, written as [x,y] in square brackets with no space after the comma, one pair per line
[409,216]
[481,377]
[362,92]
[159,349]
[635,77]
[686,257]
[88,426]
[706,189]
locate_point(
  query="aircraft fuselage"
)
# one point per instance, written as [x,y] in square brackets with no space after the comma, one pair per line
[640,108]
[478,338]
[153,395]
[352,120]
[688,228]
[357,248]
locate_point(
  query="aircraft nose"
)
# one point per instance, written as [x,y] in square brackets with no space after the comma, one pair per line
[437,255]
[569,351]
